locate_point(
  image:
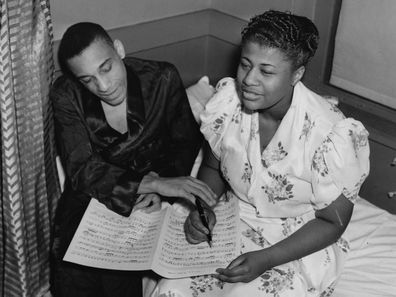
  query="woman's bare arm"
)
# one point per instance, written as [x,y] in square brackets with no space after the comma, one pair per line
[326,228]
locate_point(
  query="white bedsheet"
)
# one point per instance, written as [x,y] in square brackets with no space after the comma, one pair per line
[371,269]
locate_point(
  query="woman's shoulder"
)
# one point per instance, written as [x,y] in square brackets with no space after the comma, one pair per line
[225,93]
[321,119]
[225,90]
[319,107]
[224,100]
[321,112]
[220,111]
[224,83]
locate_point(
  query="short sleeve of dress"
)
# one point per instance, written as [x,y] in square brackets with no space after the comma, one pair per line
[341,163]
[218,113]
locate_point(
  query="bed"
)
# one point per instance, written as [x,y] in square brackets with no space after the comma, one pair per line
[371,268]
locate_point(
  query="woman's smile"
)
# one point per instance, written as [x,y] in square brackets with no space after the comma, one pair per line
[249,94]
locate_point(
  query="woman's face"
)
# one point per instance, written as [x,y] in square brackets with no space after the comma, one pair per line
[265,78]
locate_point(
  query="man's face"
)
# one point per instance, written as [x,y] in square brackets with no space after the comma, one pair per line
[101,70]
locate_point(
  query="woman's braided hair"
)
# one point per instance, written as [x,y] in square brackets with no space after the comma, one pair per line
[296,36]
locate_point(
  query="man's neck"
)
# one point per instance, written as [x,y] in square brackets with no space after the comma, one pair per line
[116,116]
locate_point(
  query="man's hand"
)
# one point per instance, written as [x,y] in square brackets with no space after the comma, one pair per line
[148,203]
[184,187]
[194,229]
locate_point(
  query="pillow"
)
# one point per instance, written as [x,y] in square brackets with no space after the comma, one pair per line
[198,94]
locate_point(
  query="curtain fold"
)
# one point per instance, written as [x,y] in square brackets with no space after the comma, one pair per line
[29,183]
[365,49]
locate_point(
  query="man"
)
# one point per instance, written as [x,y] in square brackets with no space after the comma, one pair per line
[126,134]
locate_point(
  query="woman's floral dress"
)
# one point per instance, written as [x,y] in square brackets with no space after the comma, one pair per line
[315,155]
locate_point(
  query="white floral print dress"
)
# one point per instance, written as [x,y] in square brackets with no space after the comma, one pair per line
[315,155]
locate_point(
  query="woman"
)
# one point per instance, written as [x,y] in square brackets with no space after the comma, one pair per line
[292,159]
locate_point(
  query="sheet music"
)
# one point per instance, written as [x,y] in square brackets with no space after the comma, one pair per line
[177,258]
[105,239]
[154,241]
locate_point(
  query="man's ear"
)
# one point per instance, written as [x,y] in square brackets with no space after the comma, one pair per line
[298,74]
[119,47]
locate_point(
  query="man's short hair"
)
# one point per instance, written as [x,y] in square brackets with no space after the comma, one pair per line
[76,39]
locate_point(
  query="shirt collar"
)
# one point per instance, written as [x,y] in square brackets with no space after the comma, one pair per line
[135,100]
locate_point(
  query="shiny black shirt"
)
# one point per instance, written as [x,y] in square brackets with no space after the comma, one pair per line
[99,161]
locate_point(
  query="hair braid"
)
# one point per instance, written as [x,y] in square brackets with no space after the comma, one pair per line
[295,35]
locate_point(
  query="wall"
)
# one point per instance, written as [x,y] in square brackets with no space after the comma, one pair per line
[181,39]
[121,13]
[169,22]
[203,41]
[118,13]
[248,8]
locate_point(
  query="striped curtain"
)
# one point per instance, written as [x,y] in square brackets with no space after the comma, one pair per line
[29,184]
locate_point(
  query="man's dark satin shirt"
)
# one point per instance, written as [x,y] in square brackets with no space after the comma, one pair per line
[100,162]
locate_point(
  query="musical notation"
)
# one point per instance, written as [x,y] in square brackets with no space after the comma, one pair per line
[153,241]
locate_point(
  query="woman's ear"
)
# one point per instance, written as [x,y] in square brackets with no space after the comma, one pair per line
[119,47]
[297,75]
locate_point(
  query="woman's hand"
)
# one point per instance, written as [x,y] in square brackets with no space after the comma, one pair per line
[245,268]
[194,229]
[185,187]
[148,203]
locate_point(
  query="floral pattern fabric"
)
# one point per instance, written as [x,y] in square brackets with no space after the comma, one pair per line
[315,156]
